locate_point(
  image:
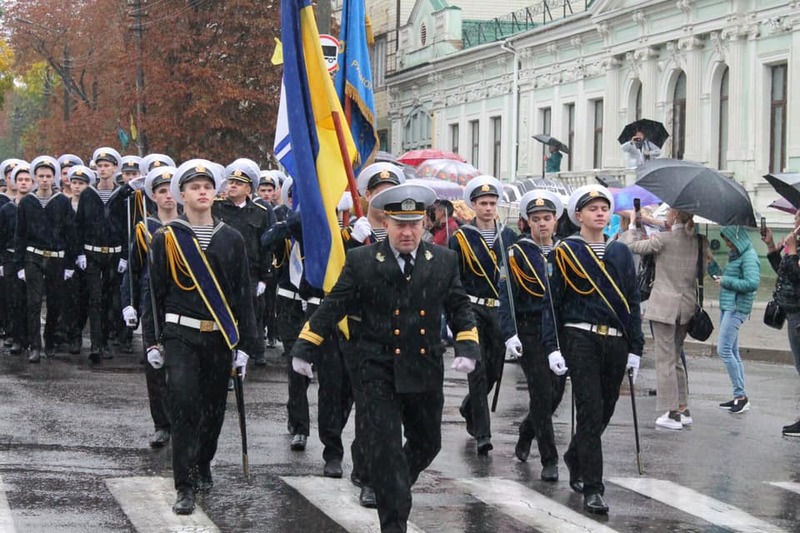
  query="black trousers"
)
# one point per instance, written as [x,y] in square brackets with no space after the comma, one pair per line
[103,282]
[44,276]
[14,294]
[290,321]
[488,371]
[545,390]
[258,310]
[358,448]
[270,299]
[394,467]
[76,305]
[597,366]
[198,366]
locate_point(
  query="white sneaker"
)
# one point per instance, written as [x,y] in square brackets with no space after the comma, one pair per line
[667,422]
[686,417]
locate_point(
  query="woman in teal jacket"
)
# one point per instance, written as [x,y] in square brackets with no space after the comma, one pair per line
[738,283]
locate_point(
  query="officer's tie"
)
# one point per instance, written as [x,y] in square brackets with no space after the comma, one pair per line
[408,267]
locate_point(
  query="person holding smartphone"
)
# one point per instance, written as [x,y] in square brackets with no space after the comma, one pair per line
[783,259]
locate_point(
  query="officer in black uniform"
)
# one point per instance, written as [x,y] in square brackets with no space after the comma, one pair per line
[596,302]
[7,195]
[197,260]
[251,220]
[40,244]
[401,285]
[478,245]
[527,276]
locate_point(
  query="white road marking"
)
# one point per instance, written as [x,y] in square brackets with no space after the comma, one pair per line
[338,499]
[147,501]
[6,520]
[530,507]
[788,485]
[697,504]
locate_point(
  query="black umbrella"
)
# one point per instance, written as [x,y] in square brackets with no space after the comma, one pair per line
[697,189]
[552,141]
[654,131]
[787,185]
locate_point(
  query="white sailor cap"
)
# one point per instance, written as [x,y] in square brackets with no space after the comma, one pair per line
[279,176]
[131,163]
[81,172]
[378,173]
[286,191]
[107,154]
[69,160]
[244,170]
[158,176]
[265,177]
[9,165]
[482,186]
[151,161]
[49,162]
[22,166]
[585,194]
[195,168]
[541,200]
[405,202]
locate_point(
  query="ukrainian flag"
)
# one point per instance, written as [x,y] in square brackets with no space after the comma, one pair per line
[319,172]
[354,79]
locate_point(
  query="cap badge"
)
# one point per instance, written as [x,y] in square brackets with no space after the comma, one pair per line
[594,193]
[385,174]
[166,175]
[408,205]
[103,154]
[486,188]
[539,202]
[79,172]
[238,173]
[200,168]
[156,163]
[12,165]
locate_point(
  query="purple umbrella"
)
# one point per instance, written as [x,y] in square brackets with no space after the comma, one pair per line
[623,198]
[445,190]
[782,204]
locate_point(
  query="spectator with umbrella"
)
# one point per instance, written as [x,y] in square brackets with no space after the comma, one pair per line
[642,140]
[556,149]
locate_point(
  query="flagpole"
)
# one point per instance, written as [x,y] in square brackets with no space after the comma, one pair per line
[348,166]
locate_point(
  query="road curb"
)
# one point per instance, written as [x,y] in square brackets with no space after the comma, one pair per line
[764,355]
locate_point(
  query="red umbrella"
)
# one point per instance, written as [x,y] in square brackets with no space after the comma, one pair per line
[415,157]
[448,170]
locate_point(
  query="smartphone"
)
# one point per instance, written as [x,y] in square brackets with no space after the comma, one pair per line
[637,208]
[763,227]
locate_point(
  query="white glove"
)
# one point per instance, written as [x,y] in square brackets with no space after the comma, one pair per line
[68,274]
[81,262]
[513,347]
[463,364]
[361,229]
[633,363]
[304,305]
[155,357]
[122,266]
[240,362]
[346,202]
[130,316]
[1,272]
[261,287]
[557,363]
[302,367]
[21,275]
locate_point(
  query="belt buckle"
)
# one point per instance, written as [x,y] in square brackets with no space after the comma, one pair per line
[491,302]
[47,253]
[602,330]
[104,249]
[206,326]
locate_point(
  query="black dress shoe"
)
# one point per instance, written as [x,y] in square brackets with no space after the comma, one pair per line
[550,473]
[8,342]
[333,468]
[49,351]
[523,448]
[484,445]
[367,498]
[185,502]
[204,480]
[468,418]
[594,504]
[575,481]
[16,348]
[159,438]
[355,479]
[299,442]
[94,354]
[270,343]
[127,347]
[107,353]
[75,346]
[35,355]
[261,360]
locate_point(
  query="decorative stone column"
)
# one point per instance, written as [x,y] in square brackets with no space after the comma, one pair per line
[696,147]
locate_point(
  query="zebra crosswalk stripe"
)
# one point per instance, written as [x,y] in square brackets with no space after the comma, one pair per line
[147,501]
[530,507]
[787,485]
[6,520]
[697,504]
[338,499]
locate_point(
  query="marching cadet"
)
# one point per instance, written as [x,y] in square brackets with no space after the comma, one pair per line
[40,244]
[527,276]
[201,282]
[596,302]
[100,233]
[479,247]
[265,192]
[6,196]
[157,189]
[21,181]
[130,169]
[252,221]
[401,285]
[67,161]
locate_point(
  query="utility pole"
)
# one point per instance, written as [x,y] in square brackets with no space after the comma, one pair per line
[138,34]
[67,76]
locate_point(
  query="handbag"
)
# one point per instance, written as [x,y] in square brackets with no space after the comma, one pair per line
[646,276]
[700,325]
[774,315]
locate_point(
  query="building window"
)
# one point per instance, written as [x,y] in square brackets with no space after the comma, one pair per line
[570,112]
[417,130]
[383,140]
[722,160]
[378,62]
[777,113]
[598,134]
[546,116]
[638,108]
[679,117]
[474,140]
[454,138]
[497,135]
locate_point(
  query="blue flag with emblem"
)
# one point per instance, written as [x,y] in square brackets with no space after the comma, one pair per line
[354,80]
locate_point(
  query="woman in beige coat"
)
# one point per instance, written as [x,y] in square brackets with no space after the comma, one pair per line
[671,305]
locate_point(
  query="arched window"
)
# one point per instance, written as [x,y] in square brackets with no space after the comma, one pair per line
[679,117]
[417,130]
[638,105]
[722,160]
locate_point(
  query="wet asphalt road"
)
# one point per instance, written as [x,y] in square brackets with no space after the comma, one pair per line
[68,431]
